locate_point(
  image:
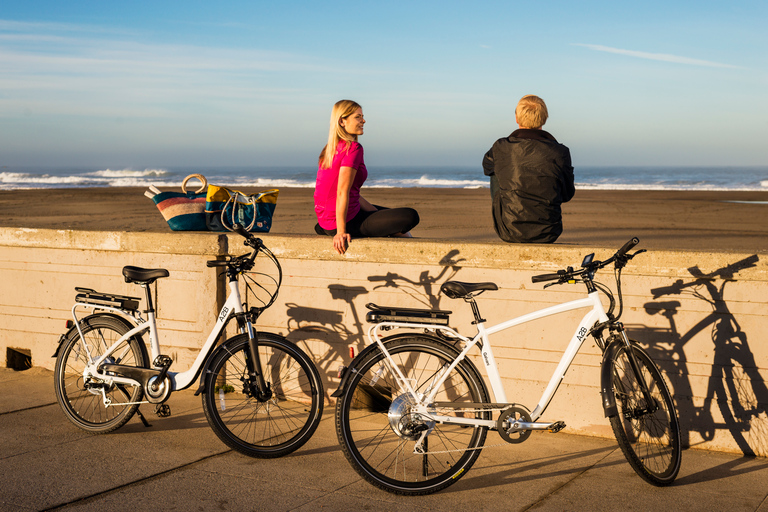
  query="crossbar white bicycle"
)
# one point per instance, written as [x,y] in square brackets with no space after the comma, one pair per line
[261,394]
[413,411]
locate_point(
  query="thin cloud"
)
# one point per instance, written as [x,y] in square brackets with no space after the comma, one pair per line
[662,57]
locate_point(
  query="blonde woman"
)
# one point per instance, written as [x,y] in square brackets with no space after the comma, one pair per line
[341,211]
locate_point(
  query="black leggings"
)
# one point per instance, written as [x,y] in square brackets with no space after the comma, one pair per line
[381,223]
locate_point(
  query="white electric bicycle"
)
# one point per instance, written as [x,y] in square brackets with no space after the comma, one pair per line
[261,394]
[413,411]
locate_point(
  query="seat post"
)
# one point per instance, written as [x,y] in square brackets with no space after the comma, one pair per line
[475,310]
[148,293]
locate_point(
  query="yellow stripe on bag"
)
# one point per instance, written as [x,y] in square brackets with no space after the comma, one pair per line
[223,194]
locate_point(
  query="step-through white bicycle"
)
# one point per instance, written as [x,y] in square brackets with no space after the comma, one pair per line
[413,411]
[262,395]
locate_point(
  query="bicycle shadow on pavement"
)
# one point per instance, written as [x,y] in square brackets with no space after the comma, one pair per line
[734,387]
[730,469]
[535,468]
[183,421]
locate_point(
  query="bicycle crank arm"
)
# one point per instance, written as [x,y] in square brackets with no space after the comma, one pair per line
[520,426]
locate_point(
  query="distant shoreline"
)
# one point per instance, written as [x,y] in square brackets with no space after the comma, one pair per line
[672,220]
[636,178]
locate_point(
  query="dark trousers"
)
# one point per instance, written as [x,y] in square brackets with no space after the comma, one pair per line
[383,222]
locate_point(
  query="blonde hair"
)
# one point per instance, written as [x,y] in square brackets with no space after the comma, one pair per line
[531,112]
[341,110]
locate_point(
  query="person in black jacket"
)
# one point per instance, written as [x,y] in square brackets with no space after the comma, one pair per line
[531,176]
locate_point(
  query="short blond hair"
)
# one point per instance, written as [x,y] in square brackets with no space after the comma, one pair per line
[531,112]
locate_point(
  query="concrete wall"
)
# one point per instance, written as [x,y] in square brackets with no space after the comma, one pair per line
[41,268]
[702,316]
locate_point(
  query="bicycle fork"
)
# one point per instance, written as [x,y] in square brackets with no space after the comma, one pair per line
[258,387]
[650,404]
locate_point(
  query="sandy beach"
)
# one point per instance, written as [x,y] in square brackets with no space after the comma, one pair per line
[687,220]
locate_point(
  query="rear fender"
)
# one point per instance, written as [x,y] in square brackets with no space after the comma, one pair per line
[73,333]
[349,370]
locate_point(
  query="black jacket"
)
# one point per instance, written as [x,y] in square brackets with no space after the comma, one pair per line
[531,176]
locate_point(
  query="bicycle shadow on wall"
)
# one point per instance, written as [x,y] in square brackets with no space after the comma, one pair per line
[424,290]
[735,386]
[309,325]
[327,337]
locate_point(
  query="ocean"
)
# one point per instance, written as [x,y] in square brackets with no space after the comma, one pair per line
[587,178]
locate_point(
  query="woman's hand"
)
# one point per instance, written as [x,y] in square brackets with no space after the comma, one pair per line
[341,242]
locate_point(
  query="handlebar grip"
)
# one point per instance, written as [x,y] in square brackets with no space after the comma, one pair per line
[627,246]
[240,230]
[545,277]
[216,263]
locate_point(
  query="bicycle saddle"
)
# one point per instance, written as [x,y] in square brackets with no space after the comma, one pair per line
[459,290]
[143,275]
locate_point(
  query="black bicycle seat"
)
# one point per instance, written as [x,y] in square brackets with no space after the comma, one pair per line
[143,275]
[460,290]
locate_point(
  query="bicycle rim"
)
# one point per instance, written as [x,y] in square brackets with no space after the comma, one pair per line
[650,441]
[270,428]
[82,402]
[378,433]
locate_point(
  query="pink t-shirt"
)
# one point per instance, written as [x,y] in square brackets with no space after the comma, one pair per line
[348,154]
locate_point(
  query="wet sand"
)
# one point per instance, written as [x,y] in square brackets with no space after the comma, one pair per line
[687,220]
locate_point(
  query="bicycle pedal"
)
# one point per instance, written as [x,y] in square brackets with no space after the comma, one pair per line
[162,361]
[556,427]
[163,410]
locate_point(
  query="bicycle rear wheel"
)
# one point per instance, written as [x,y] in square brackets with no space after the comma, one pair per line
[82,401]
[377,432]
[263,428]
[648,434]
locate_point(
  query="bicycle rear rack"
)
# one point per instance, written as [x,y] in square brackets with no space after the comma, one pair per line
[90,296]
[393,314]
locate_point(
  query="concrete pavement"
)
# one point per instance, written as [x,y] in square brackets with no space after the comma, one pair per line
[46,463]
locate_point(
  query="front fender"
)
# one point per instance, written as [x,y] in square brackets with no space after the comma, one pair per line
[606,379]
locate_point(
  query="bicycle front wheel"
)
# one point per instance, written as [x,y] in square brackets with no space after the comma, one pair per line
[83,399]
[648,433]
[270,427]
[378,432]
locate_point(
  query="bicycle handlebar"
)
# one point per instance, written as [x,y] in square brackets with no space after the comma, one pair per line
[620,258]
[250,241]
[547,277]
[626,247]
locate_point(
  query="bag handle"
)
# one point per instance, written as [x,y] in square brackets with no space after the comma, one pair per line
[234,194]
[203,181]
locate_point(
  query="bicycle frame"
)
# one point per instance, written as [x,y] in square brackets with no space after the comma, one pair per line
[179,380]
[425,406]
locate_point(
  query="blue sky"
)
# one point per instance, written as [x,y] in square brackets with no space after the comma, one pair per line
[249,83]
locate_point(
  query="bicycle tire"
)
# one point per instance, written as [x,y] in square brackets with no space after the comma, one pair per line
[82,402]
[272,428]
[650,441]
[372,426]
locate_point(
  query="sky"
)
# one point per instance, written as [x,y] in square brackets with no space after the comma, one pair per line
[148,84]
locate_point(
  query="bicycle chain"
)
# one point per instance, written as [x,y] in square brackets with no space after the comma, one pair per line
[470,449]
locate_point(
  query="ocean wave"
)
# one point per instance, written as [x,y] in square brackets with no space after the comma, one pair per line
[425,181]
[657,187]
[129,173]
[40,179]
